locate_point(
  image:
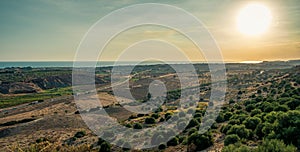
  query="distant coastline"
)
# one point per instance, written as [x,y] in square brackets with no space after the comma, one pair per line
[46,64]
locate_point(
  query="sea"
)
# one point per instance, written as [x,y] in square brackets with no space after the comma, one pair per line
[43,64]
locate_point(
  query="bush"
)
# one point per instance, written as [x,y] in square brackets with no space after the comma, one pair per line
[162,146]
[201,141]
[288,127]
[220,118]
[79,134]
[252,122]
[236,148]
[105,147]
[155,115]
[234,122]
[267,107]
[128,125]
[250,107]
[267,129]
[255,112]
[240,117]
[240,130]
[225,128]
[271,117]
[173,142]
[275,146]
[231,101]
[137,126]
[227,116]
[231,139]
[293,104]
[283,108]
[192,123]
[149,120]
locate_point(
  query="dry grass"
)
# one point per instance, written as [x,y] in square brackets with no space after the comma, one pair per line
[50,147]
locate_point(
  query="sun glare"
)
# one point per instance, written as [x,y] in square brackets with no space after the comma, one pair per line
[254,19]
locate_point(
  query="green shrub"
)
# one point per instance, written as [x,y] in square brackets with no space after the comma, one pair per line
[220,118]
[240,130]
[252,122]
[128,125]
[225,128]
[275,146]
[137,126]
[155,115]
[80,134]
[288,127]
[231,139]
[250,107]
[201,141]
[173,142]
[255,112]
[193,123]
[162,146]
[105,147]
[227,116]
[234,122]
[149,120]
[236,148]
[293,104]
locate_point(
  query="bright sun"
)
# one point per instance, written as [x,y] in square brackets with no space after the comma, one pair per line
[254,19]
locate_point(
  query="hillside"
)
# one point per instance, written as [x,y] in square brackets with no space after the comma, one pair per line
[261,112]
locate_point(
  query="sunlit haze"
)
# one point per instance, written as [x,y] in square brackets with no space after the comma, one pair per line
[51,30]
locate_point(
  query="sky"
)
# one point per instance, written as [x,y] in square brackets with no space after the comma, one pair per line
[51,30]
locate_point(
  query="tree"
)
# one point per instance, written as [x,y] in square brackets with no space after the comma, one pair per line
[231,139]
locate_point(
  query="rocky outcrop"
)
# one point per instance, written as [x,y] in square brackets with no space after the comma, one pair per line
[38,84]
[20,87]
[17,87]
[53,82]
